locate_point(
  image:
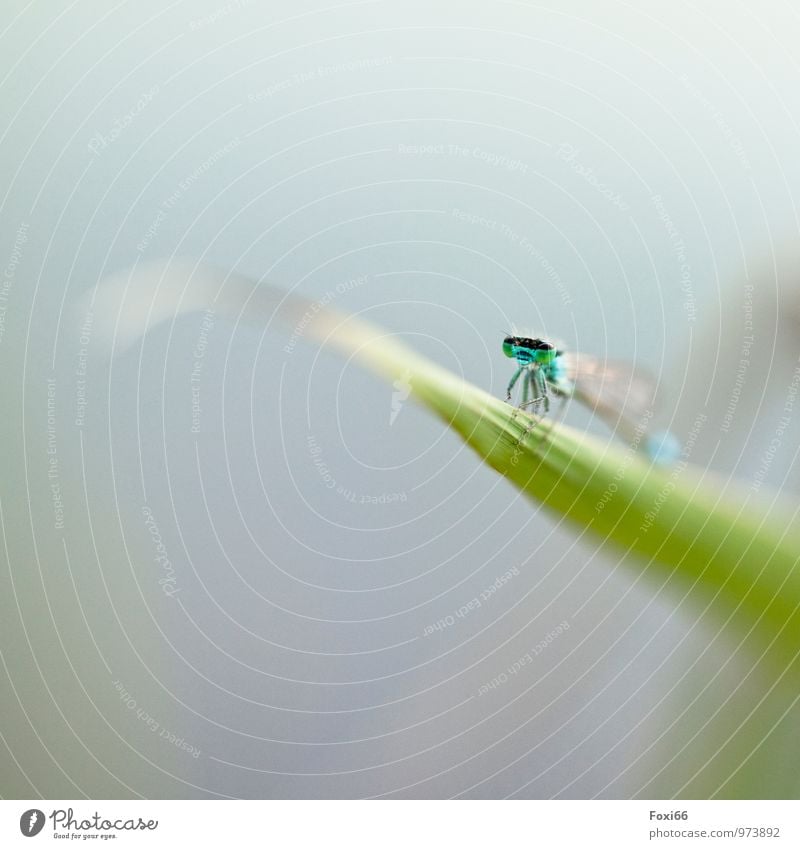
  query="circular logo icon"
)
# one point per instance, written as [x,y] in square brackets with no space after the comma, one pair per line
[31,822]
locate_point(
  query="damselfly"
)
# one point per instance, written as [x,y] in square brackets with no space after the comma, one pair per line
[618,392]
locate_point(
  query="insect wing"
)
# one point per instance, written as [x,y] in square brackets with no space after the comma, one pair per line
[613,388]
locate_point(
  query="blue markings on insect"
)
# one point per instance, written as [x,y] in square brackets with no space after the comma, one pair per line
[663,447]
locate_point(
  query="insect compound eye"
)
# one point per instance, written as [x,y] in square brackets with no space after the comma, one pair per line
[508,346]
[545,352]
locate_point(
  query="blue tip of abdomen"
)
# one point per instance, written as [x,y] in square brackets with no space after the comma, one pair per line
[663,447]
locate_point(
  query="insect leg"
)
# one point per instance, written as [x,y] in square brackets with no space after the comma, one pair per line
[534,379]
[538,389]
[526,384]
[513,381]
[543,391]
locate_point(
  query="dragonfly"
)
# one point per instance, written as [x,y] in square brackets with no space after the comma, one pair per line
[620,393]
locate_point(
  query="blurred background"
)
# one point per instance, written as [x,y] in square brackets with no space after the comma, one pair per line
[232,563]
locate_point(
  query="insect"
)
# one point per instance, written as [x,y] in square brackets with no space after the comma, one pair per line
[618,392]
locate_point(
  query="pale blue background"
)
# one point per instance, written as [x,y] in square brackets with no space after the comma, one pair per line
[294,655]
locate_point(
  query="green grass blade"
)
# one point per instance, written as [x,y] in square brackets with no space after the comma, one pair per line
[732,550]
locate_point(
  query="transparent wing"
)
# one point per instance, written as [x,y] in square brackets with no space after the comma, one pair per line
[613,388]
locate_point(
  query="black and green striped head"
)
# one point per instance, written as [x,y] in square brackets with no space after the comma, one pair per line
[528,350]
